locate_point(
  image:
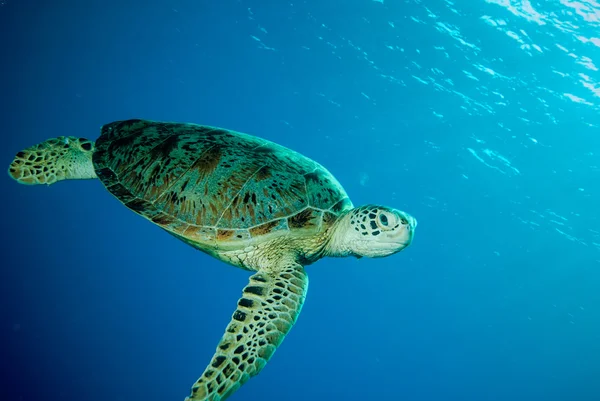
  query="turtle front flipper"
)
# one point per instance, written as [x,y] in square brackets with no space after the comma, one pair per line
[57,159]
[268,309]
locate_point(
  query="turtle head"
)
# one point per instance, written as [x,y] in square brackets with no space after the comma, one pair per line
[373,231]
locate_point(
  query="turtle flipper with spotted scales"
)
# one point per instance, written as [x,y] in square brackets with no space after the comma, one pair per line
[267,310]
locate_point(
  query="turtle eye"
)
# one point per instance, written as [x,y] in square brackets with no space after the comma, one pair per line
[386,221]
[383,220]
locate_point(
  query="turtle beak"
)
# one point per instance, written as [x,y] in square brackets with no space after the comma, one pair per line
[412,221]
[410,228]
[412,225]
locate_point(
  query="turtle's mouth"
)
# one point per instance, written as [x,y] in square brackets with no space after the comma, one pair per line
[400,245]
[390,244]
[383,248]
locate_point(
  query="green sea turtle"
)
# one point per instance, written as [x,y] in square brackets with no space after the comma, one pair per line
[244,200]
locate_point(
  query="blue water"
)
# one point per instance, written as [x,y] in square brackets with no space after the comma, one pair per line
[479,118]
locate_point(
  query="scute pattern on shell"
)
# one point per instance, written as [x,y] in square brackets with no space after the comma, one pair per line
[206,183]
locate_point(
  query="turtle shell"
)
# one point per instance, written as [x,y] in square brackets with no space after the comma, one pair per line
[208,185]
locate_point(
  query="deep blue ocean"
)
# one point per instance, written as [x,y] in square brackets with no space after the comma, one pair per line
[480,118]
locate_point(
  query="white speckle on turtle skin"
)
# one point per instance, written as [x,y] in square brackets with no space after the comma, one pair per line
[241,199]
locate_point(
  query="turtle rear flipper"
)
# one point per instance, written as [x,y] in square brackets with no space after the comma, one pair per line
[57,159]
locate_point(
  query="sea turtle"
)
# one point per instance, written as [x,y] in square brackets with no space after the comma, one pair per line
[244,200]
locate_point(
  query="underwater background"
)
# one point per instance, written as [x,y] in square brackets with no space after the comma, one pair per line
[478,117]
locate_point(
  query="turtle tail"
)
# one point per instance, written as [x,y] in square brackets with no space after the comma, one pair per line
[57,159]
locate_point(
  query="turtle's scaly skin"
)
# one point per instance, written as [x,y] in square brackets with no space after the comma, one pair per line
[57,159]
[218,190]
